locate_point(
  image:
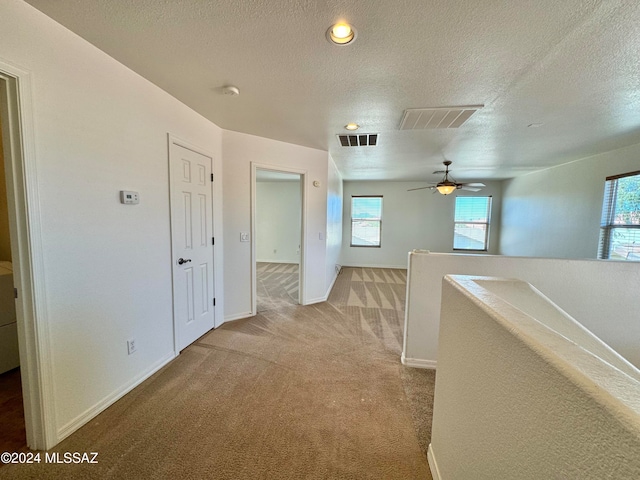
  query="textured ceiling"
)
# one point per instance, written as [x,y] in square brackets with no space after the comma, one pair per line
[570,65]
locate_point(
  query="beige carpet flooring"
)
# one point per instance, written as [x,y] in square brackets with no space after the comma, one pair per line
[313,392]
[276,285]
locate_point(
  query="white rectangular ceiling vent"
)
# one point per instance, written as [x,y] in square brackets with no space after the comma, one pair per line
[358,140]
[438,117]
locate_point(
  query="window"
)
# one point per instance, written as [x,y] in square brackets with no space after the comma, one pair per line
[620,224]
[366,221]
[471,223]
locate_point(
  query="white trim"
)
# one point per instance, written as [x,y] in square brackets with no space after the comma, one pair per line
[303,232]
[397,267]
[407,312]
[313,301]
[110,399]
[326,295]
[418,362]
[433,465]
[333,282]
[238,316]
[34,337]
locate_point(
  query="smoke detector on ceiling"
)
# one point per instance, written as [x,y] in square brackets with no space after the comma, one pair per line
[231,90]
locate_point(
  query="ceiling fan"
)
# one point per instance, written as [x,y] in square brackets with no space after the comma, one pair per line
[448,185]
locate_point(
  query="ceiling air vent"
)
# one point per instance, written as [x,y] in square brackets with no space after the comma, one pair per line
[438,117]
[359,140]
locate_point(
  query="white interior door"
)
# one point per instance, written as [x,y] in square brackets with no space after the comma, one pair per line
[191,231]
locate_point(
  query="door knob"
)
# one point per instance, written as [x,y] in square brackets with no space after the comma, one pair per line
[182,260]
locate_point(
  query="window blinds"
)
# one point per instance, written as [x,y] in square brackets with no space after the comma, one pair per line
[366,221]
[620,220]
[471,223]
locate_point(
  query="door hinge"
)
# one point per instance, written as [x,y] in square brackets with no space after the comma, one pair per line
[15,293]
[213,240]
[214,301]
[212,177]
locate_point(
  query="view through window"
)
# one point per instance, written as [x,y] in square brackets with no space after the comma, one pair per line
[620,224]
[366,221]
[471,223]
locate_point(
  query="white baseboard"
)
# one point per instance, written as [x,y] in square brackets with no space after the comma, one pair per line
[326,295]
[333,282]
[433,465]
[110,399]
[317,300]
[401,267]
[418,362]
[237,316]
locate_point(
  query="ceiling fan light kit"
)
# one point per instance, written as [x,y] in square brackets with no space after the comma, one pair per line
[445,189]
[448,186]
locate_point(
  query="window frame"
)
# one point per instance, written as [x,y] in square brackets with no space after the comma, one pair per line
[487,223]
[607,225]
[379,245]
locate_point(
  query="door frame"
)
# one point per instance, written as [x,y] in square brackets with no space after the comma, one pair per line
[303,230]
[34,338]
[217,312]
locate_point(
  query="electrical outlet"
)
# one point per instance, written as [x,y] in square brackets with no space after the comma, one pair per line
[132,345]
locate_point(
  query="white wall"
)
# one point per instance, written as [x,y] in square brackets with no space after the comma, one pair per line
[410,220]
[514,399]
[240,150]
[101,128]
[334,223]
[556,212]
[600,294]
[278,221]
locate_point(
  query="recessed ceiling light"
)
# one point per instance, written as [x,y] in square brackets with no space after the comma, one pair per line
[341,33]
[352,126]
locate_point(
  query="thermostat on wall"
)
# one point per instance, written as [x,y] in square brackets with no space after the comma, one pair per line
[129,198]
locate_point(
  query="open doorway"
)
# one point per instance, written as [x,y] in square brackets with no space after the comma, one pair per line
[277,239]
[14,436]
[32,382]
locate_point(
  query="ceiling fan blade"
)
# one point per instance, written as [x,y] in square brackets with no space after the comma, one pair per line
[420,188]
[470,189]
[477,184]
